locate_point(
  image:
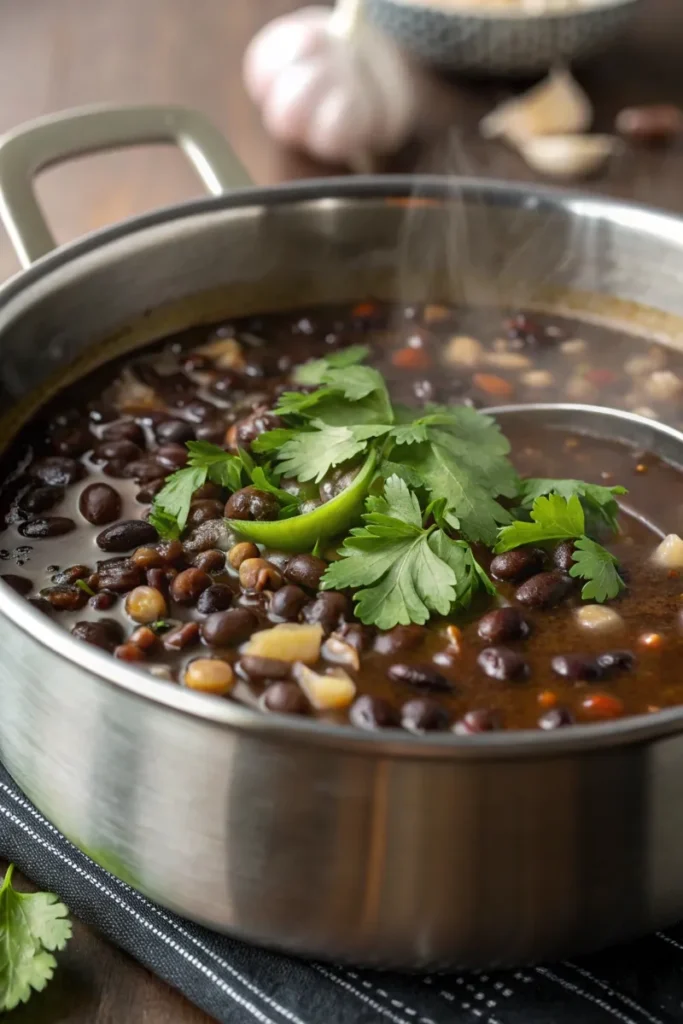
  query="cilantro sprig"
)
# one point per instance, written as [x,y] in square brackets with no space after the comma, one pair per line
[554,517]
[405,571]
[32,926]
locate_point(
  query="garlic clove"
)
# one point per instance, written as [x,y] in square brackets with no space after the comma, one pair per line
[567,156]
[290,105]
[556,106]
[669,553]
[280,43]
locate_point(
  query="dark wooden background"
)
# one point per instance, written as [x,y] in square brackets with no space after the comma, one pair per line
[61,53]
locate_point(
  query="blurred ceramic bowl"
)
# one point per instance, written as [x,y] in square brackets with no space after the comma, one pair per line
[500,40]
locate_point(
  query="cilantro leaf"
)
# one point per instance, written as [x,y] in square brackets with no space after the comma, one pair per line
[32,925]
[598,566]
[352,392]
[310,454]
[553,518]
[464,460]
[171,505]
[312,373]
[595,498]
[406,572]
[272,440]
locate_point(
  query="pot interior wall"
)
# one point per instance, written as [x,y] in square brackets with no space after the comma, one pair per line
[480,245]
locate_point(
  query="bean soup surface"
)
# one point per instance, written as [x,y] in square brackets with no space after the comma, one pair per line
[80,478]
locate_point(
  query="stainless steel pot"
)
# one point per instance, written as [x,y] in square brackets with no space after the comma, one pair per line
[314,839]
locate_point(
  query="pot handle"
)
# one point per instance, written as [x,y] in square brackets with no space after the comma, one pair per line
[59,137]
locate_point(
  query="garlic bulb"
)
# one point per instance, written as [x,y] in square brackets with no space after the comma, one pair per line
[331,84]
[567,156]
[556,106]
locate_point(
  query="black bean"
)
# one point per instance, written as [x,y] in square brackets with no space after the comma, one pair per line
[160,578]
[259,669]
[126,535]
[105,633]
[305,570]
[72,440]
[40,604]
[65,599]
[149,491]
[329,609]
[116,468]
[57,471]
[201,511]
[260,421]
[226,629]
[215,598]
[71,574]
[40,499]
[189,584]
[173,432]
[287,602]
[212,560]
[424,715]
[502,663]
[373,713]
[544,590]
[577,667]
[562,555]
[517,565]
[252,503]
[285,698]
[213,430]
[227,383]
[423,677]
[555,718]
[357,636]
[143,470]
[503,625]
[21,584]
[119,575]
[478,720]
[171,457]
[103,601]
[197,411]
[400,638]
[47,526]
[208,492]
[124,430]
[99,504]
[117,451]
[616,661]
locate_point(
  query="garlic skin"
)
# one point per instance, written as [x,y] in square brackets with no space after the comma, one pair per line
[556,106]
[568,156]
[340,92]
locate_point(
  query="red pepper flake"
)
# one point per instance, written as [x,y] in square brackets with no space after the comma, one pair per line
[412,359]
[364,310]
[493,385]
[602,706]
[600,376]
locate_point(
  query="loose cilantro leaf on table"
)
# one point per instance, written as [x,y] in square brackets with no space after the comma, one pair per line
[32,925]
[405,572]
[599,567]
[596,499]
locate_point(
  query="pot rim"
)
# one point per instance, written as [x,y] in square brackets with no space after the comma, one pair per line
[227,714]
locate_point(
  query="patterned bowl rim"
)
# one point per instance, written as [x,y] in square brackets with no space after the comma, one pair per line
[513,14]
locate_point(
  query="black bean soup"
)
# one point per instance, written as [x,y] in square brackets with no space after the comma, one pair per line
[80,480]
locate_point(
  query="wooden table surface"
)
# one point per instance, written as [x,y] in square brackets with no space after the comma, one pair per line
[61,53]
